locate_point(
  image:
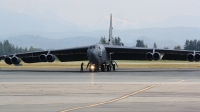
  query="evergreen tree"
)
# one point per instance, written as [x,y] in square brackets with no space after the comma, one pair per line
[140,43]
[177,47]
[166,48]
[1,48]
[154,45]
[117,41]
[192,45]
[198,46]
[8,48]
[186,46]
[25,50]
[103,40]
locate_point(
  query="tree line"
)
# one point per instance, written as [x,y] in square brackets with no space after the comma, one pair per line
[7,48]
[116,41]
[189,44]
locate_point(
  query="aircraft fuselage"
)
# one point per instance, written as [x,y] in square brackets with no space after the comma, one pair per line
[97,55]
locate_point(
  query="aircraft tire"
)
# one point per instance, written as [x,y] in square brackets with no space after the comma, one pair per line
[102,68]
[97,68]
[90,69]
[113,67]
[108,68]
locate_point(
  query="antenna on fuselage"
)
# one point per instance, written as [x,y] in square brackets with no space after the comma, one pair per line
[110,41]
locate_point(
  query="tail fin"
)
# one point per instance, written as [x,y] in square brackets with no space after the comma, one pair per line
[110,41]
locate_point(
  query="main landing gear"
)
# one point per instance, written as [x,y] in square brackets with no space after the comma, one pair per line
[104,67]
[107,67]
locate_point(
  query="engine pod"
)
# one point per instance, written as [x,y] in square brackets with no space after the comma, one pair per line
[16,60]
[190,57]
[8,60]
[50,58]
[156,56]
[43,58]
[197,57]
[149,56]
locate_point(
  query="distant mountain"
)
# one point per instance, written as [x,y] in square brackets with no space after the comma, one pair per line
[177,21]
[13,23]
[47,43]
[47,33]
[163,37]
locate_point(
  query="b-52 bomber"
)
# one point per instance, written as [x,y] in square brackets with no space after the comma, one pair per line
[102,56]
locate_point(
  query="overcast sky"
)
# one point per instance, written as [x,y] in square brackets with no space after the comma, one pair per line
[91,12]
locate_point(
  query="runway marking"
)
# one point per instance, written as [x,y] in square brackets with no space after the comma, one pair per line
[176,82]
[109,101]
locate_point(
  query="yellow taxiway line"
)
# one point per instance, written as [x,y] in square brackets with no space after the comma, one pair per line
[110,101]
[117,99]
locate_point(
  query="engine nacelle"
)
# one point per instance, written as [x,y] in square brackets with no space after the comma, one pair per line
[149,56]
[43,57]
[50,58]
[8,60]
[190,57]
[197,57]
[156,56]
[16,60]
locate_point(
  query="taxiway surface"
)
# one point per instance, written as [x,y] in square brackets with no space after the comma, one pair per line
[128,90]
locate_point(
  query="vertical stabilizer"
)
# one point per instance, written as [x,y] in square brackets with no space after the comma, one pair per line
[110,41]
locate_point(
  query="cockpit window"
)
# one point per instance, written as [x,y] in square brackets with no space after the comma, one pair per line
[94,47]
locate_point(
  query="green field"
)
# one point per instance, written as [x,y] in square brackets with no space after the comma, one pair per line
[121,63]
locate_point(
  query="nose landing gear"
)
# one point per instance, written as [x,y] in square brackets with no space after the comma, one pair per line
[102,68]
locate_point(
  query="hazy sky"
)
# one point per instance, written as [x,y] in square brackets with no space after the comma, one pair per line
[90,12]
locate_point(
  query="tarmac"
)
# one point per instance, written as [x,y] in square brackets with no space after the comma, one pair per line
[123,90]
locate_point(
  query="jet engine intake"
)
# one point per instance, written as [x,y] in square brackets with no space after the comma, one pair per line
[149,56]
[156,56]
[190,57]
[16,60]
[50,58]
[8,60]
[197,57]
[43,57]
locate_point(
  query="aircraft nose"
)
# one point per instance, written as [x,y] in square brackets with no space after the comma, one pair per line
[93,56]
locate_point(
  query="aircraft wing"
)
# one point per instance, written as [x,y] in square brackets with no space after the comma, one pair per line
[70,54]
[137,53]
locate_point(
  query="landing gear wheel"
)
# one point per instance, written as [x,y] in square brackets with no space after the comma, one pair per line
[113,67]
[96,68]
[102,68]
[108,68]
[90,69]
